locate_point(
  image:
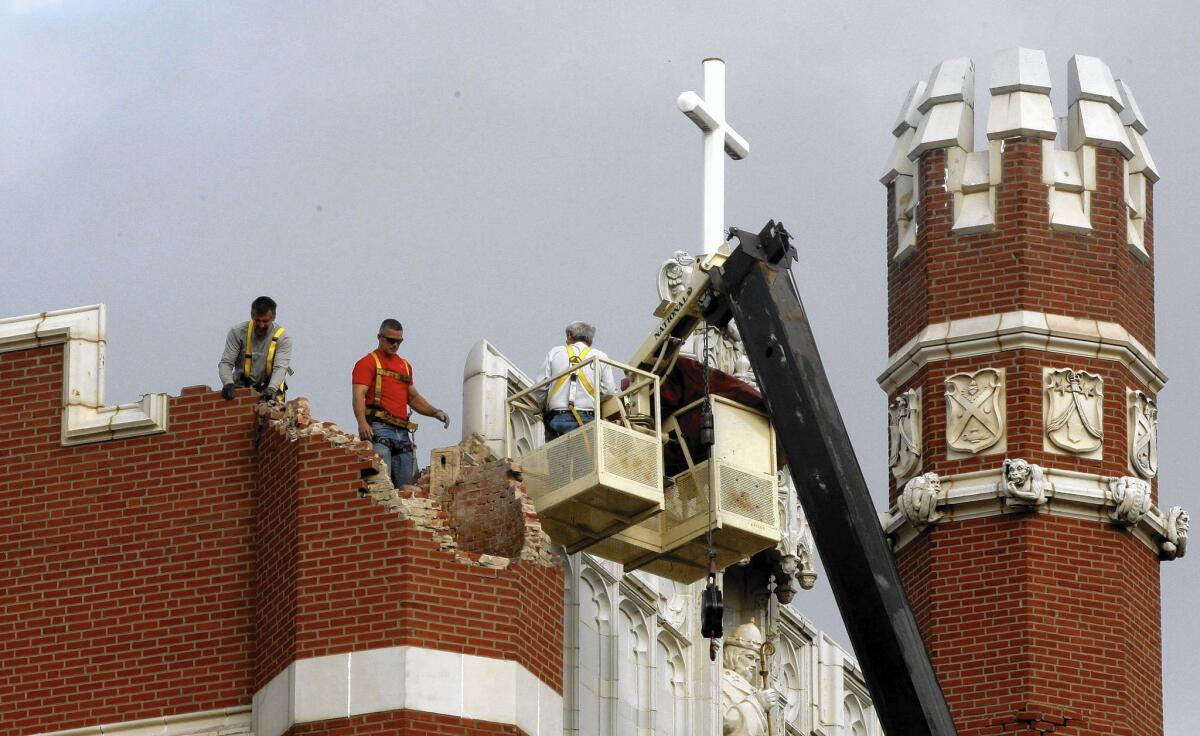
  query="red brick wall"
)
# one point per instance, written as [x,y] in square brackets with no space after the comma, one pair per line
[1038,619]
[1022,263]
[127,565]
[365,578]
[404,723]
[1036,623]
[179,572]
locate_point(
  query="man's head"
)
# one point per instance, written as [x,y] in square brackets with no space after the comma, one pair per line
[741,651]
[391,334]
[580,332]
[262,314]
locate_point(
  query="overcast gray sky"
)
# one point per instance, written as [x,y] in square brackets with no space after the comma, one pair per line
[496,170]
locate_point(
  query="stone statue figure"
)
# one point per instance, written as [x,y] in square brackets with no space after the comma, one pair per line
[745,706]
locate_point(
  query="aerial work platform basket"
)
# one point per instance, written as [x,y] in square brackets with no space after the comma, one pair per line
[604,476]
[732,491]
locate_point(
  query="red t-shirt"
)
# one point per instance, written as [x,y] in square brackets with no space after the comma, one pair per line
[395,392]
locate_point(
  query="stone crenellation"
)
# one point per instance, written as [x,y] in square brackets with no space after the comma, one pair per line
[940,115]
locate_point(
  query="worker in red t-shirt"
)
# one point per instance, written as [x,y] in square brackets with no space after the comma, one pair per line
[383,393]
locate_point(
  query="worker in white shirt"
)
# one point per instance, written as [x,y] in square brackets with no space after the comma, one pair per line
[567,402]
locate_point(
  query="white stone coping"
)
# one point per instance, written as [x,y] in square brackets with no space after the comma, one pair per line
[1069,493]
[85,417]
[1021,330]
[210,722]
[407,678]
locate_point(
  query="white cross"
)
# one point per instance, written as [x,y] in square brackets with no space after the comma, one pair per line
[719,139]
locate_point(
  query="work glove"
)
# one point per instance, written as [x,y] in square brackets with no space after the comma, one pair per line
[227,391]
[269,392]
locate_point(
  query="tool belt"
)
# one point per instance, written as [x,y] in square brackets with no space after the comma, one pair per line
[378,413]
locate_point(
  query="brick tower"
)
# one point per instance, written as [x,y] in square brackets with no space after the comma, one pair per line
[1022,389]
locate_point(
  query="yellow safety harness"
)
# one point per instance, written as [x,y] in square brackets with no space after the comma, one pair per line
[573,358]
[375,409]
[248,358]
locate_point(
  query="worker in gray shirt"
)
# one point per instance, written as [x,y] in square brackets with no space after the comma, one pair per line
[258,354]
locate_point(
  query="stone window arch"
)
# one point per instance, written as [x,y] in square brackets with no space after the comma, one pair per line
[672,702]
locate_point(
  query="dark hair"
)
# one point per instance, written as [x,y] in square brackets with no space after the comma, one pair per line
[262,305]
[390,324]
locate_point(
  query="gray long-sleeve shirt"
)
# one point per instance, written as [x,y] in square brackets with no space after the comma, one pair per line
[230,367]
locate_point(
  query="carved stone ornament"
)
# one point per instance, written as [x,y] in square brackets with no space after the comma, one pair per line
[1024,483]
[674,277]
[1178,521]
[1131,497]
[904,434]
[1143,434]
[919,499]
[744,705]
[974,410]
[673,606]
[1074,411]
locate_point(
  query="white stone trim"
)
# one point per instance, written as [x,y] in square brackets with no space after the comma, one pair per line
[1071,494]
[85,417]
[1021,330]
[235,719]
[407,678]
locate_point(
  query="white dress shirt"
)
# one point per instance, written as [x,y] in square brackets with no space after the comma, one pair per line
[557,361]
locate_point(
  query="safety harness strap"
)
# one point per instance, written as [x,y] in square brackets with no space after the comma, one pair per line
[574,359]
[248,352]
[375,409]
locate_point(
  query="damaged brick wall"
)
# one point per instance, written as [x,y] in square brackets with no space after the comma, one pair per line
[485,511]
[388,570]
[179,572]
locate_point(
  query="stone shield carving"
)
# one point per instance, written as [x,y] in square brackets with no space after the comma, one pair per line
[919,499]
[1143,434]
[904,434]
[1074,405]
[975,411]
[1024,483]
[1130,498]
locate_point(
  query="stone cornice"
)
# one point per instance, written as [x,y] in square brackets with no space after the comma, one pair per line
[1021,330]
[1065,493]
[407,678]
[85,417]
[224,720]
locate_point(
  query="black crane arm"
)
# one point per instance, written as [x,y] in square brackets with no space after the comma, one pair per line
[754,288]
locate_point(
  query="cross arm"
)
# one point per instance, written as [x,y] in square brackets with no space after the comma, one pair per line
[690,104]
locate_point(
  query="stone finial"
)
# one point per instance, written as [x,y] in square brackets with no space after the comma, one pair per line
[1020,70]
[1177,524]
[1020,104]
[904,130]
[1024,483]
[1131,115]
[910,116]
[1131,499]
[953,80]
[948,108]
[1094,116]
[919,499]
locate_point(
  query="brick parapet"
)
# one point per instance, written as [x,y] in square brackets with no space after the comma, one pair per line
[388,571]
[176,572]
[127,564]
[1022,263]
